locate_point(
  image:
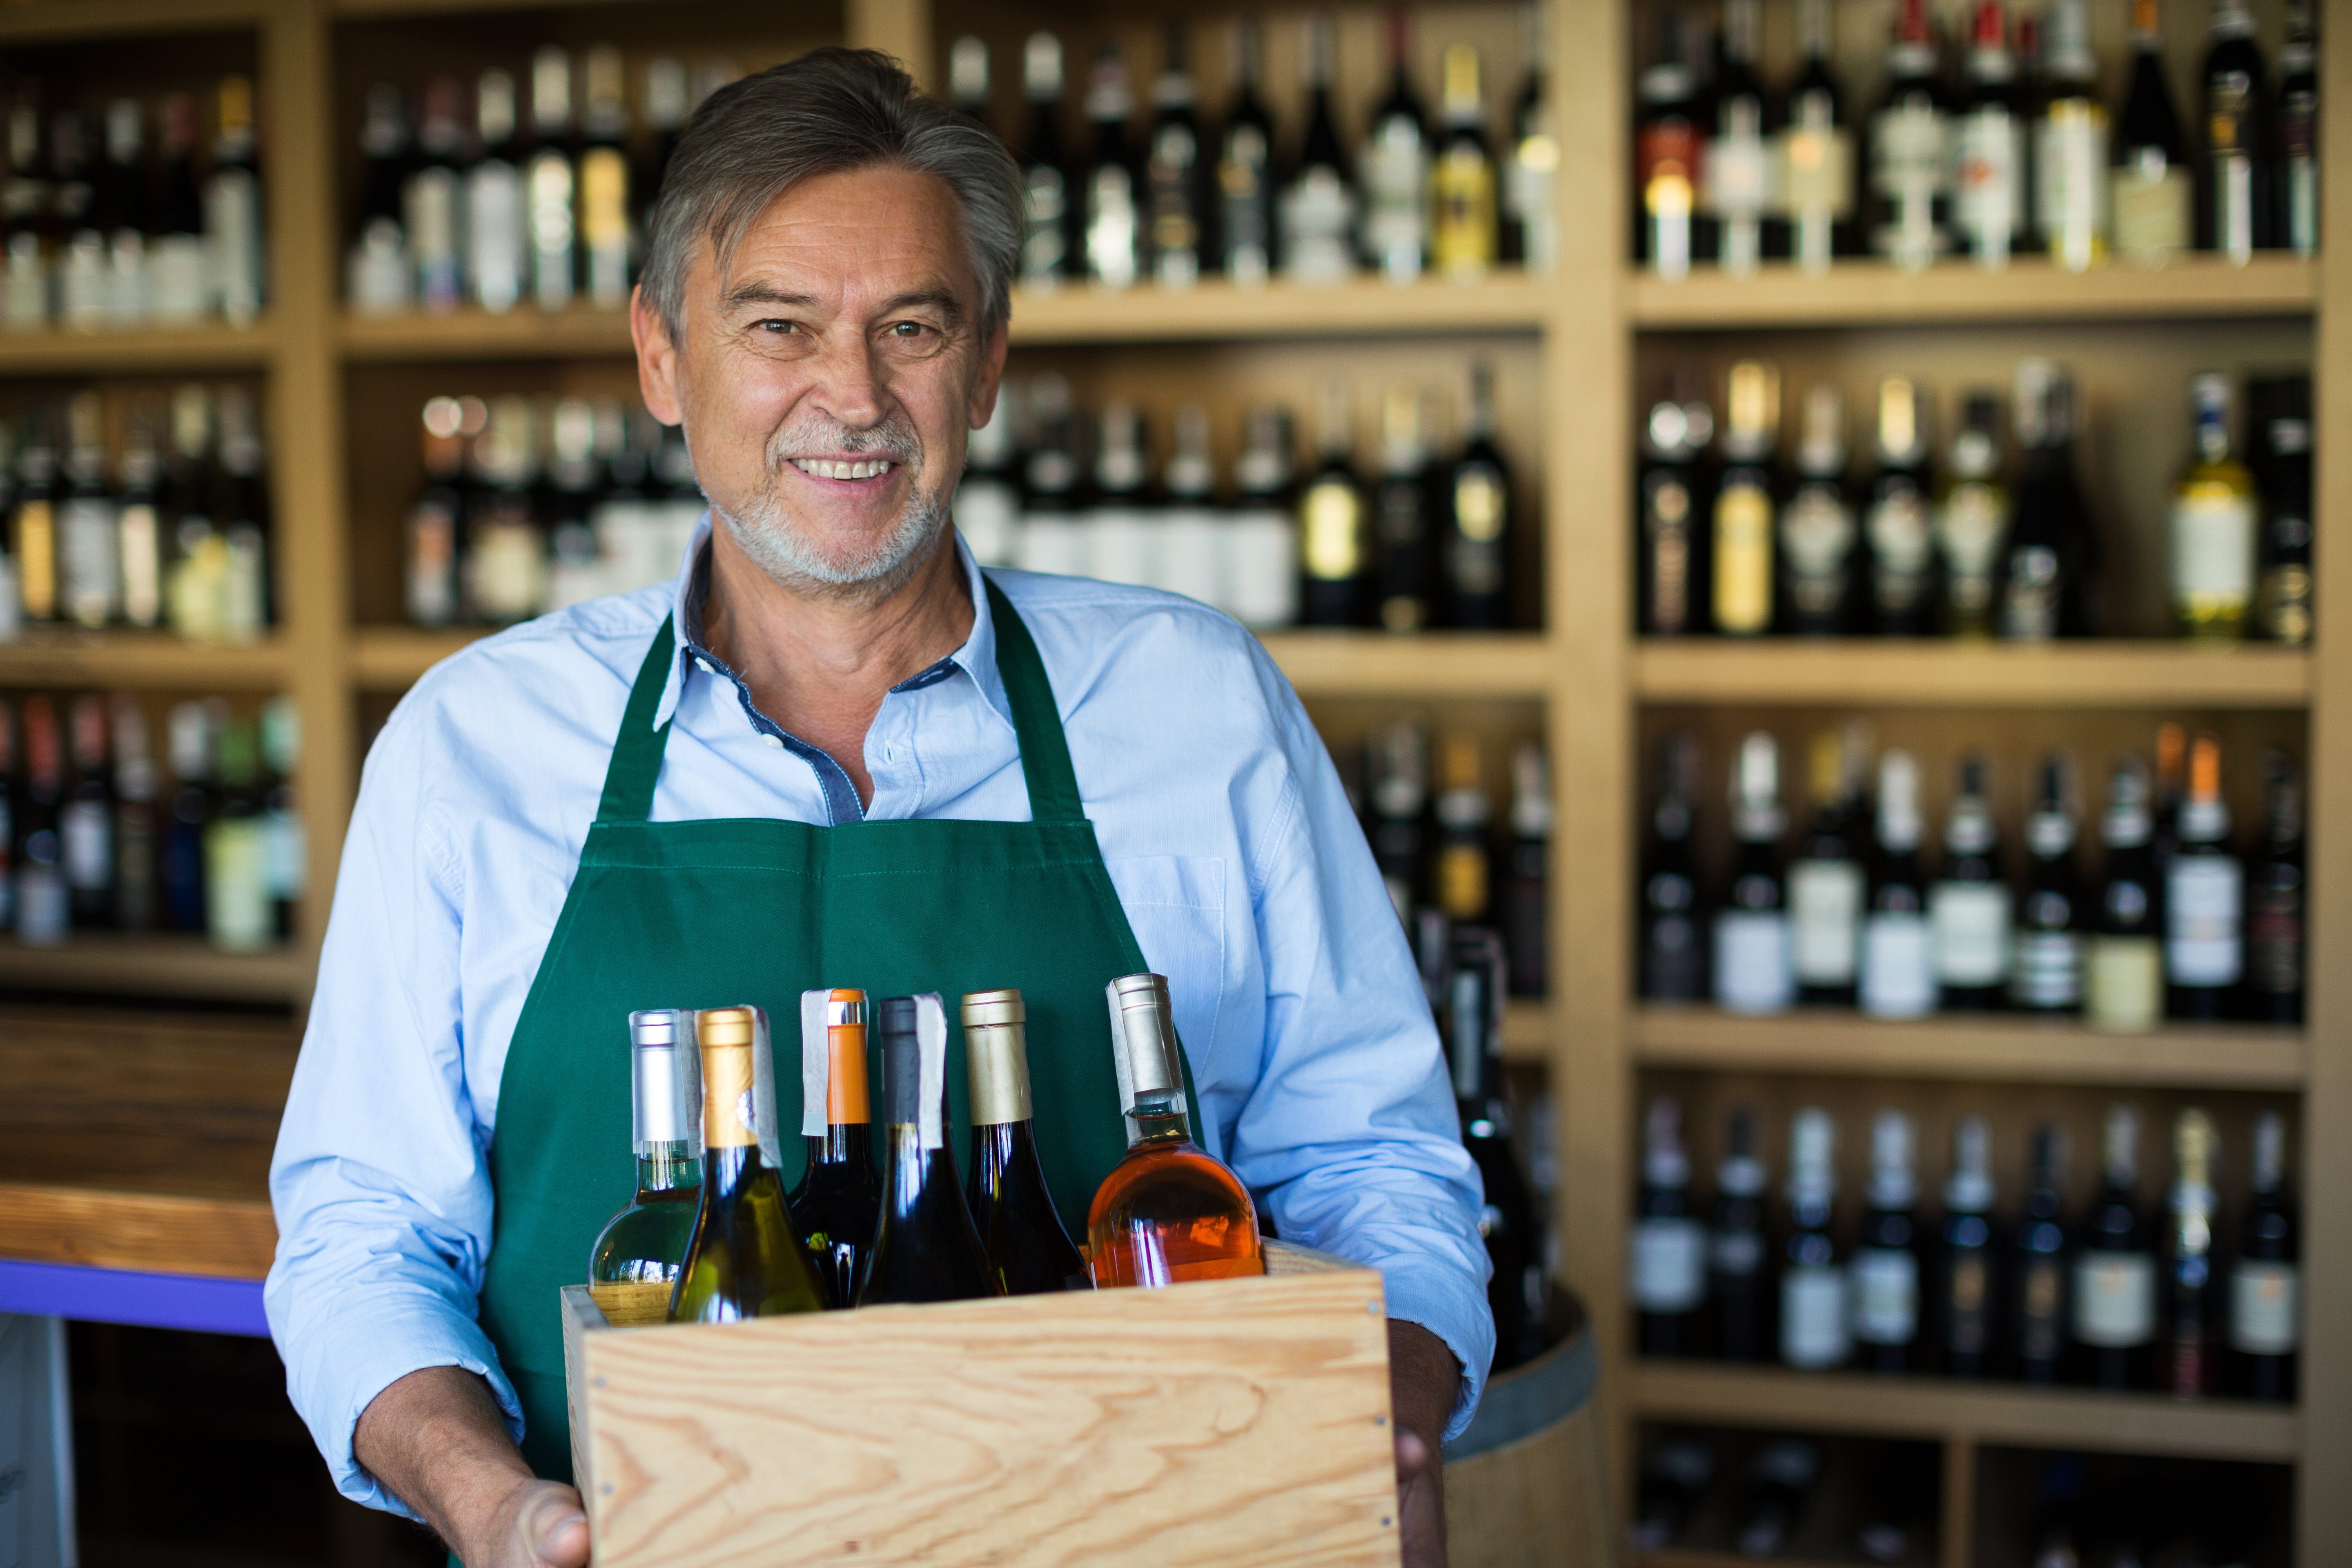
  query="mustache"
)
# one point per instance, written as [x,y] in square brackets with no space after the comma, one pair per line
[893,438]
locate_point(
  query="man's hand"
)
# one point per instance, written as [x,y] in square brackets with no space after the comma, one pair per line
[435,1439]
[1424,1378]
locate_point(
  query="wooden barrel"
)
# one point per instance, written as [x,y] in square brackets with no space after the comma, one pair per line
[1526,1486]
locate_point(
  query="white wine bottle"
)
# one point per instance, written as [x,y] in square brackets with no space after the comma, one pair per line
[745,1259]
[632,1269]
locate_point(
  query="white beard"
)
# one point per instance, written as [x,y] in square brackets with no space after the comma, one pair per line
[866,571]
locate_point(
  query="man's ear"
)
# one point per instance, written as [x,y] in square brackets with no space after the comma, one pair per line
[658,367]
[988,382]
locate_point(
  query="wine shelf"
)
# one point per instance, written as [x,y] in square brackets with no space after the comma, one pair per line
[106,963]
[2105,674]
[1988,1049]
[157,1233]
[2033,289]
[524,333]
[1527,1033]
[1674,1559]
[156,661]
[1954,1412]
[137,350]
[1214,308]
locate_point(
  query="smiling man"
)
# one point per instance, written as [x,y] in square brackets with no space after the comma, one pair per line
[833,751]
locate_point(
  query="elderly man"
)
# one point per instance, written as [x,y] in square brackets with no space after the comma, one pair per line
[832,748]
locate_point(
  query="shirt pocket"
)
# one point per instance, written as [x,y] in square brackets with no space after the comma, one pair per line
[1176,906]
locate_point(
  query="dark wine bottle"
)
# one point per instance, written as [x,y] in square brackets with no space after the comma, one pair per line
[2266,1278]
[1989,146]
[1472,1018]
[1884,1270]
[1475,518]
[1752,972]
[1396,785]
[1968,906]
[2152,182]
[1964,1284]
[86,821]
[1675,580]
[2204,897]
[1815,151]
[1462,877]
[1737,175]
[1673,957]
[1668,151]
[1667,1274]
[744,1259]
[1826,883]
[2192,1305]
[1675,1477]
[838,1203]
[1318,208]
[1741,542]
[1898,527]
[1049,216]
[1738,1281]
[1394,168]
[2282,584]
[925,1249]
[1404,564]
[2295,175]
[1245,172]
[1526,874]
[1332,540]
[1781,1483]
[1029,1252]
[1114,201]
[2114,1269]
[1819,527]
[2233,163]
[1972,518]
[1898,976]
[2040,1268]
[2124,975]
[2046,975]
[1910,180]
[1174,170]
[2275,900]
[2047,583]
[1816,1328]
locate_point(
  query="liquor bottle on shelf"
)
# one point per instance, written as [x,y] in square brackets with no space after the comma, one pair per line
[668,102]
[1405,569]
[603,176]
[1462,880]
[1669,147]
[1113,212]
[2114,1269]
[239,916]
[26,202]
[2070,137]
[1814,177]
[743,1260]
[1676,584]
[1667,1272]
[1475,518]
[1780,1481]
[925,1248]
[1462,237]
[505,550]
[176,255]
[1963,1277]
[1395,169]
[1819,530]
[1815,1333]
[2233,154]
[1028,1251]
[1175,197]
[1331,520]
[1968,906]
[433,200]
[1318,208]
[1530,227]
[2295,174]
[2123,969]
[1753,971]
[968,78]
[1910,178]
[233,208]
[549,183]
[189,736]
[1170,1211]
[1245,169]
[2046,975]
[2040,1268]
[1120,524]
[838,1203]
[85,819]
[1396,777]
[1526,874]
[243,518]
[2151,183]
[632,1267]
[90,573]
[44,911]
[2204,897]
[1736,1275]
[1676,1473]
[1194,535]
[33,530]
[430,571]
[1741,567]
[1826,884]
[1047,210]
[378,271]
[2282,583]
[125,216]
[2048,582]
[493,222]
[2171,787]
[1261,578]
[2275,900]
[135,827]
[1898,950]
[1051,537]
[1471,1011]
[1898,526]
[285,849]
[2192,1304]
[2266,1276]
[1884,1269]
[139,522]
[1972,518]
[1673,958]
[1989,147]
[81,274]
[1735,176]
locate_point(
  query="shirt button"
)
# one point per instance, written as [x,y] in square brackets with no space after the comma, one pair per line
[703,665]
[775,742]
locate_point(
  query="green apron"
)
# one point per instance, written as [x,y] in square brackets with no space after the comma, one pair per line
[702,914]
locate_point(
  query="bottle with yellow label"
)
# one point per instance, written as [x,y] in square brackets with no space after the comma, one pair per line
[1973,516]
[745,1259]
[2124,967]
[1474,530]
[1462,236]
[1463,868]
[633,1268]
[1331,521]
[2213,513]
[1744,501]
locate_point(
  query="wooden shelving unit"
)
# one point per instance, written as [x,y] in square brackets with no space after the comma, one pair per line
[104,963]
[214,347]
[2167,674]
[149,661]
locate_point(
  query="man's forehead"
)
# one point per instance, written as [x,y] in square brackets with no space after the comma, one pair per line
[873,234]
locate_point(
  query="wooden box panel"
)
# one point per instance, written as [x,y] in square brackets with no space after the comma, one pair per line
[1238,1422]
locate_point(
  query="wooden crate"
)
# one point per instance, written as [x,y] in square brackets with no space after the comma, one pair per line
[1237,1423]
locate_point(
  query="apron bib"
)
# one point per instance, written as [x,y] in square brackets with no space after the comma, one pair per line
[706,913]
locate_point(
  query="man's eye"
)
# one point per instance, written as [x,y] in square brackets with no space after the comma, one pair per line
[907,329]
[777,327]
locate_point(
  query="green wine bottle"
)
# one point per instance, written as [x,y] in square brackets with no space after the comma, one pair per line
[1029,1252]
[924,1249]
[633,1268]
[745,1259]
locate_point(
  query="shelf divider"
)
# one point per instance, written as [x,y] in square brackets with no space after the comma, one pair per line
[2119,673]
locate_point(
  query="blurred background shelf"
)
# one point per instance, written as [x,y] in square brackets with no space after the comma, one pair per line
[476,334]
[2117,674]
[57,656]
[1214,308]
[107,963]
[144,352]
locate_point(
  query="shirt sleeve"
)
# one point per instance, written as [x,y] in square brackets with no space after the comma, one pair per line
[1352,1132]
[379,1181]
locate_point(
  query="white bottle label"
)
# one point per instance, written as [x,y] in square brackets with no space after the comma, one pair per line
[1813,1329]
[1751,960]
[2115,1299]
[2212,544]
[2263,1297]
[2204,904]
[2070,169]
[2049,971]
[2126,990]
[1987,191]
[1735,1252]
[1261,582]
[1972,922]
[1886,1296]
[2151,206]
[1824,911]
[87,830]
[1898,975]
[1669,1258]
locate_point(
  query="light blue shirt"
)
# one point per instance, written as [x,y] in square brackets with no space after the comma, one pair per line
[1222,822]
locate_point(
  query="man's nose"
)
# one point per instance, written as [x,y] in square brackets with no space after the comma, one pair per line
[850,384]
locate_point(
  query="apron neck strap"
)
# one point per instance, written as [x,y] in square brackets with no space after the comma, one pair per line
[1045,767]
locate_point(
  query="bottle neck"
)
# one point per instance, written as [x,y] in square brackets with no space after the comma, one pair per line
[729,1169]
[844,1144]
[907,1168]
[666,1166]
[1158,1117]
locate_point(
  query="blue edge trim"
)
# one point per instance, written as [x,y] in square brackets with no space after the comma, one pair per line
[124,1295]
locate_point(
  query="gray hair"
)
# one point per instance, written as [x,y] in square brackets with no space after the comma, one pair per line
[829,111]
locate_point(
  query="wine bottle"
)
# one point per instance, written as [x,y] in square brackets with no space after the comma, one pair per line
[1518,1292]
[838,1203]
[1668,150]
[1405,569]
[1826,884]
[1814,150]
[44,912]
[2124,970]
[925,1248]
[1885,1271]
[2233,163]
[85,819]
[1819,528]
[1753,971]
[1463,878]
[1735,176]
[549,183]
[1052,536]
[90,573]
[2204,897]
[1047,210]
[1968,906]
[379,270]
[1898,950]
[1964,1294]
[1319,205]
[1910,177]
[26,202]
[190,733]
[494,223]
[2070,194]
[76,160]
[603,175]
[1263,579]
[233,208]
[1395,169]
[1462,237]
[1667,1272]
[431,201]
[284,848]
[1780,1481]
[2295,174]
[1474,522]
[1989,146]
[1113,216]
[1396,781]
[2151,177]
[1814,1327]
[668,102]
[135,819]
[1244,172]
[138,523]
[2040,1268]
[2171,786]
[1676,1473]
[1736,1247]
[968,78]
[1331,520]
[123,215]
[1173,166]
[2114,1269]
[633,1268]
[2046,975]
[1898,528]
[2266,1276]
[1741,568]
[1672,958]
[1530,196]
[1028,1251]
[2275,900]
[1169,1212]
[744,1259]
[1121,524]
[1674,586]
[238,915]
[2192,1295]
[1526,874]
[2282,583]
[1972,518]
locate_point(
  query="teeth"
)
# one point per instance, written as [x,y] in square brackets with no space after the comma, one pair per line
[826,468]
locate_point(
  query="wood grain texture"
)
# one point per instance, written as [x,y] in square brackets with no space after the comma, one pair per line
[1542,1503]
[230,1238]
[1239,1423]
[2166,674]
